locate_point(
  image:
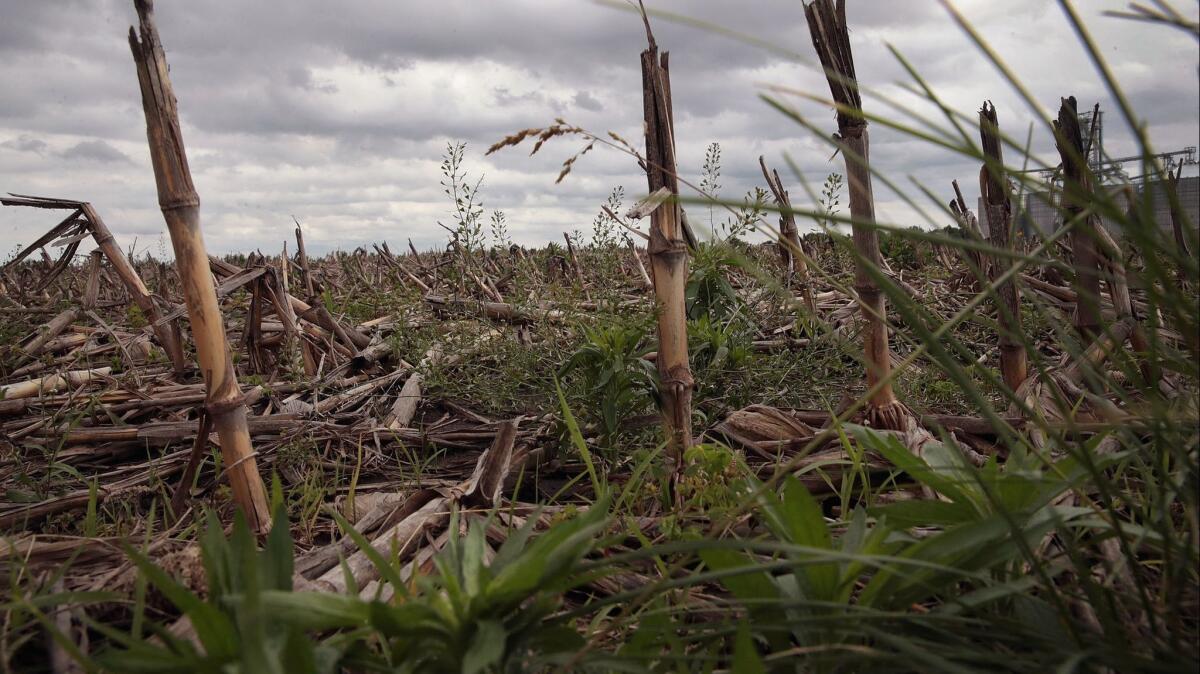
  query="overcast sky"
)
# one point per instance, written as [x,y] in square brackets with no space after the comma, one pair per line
[338,112]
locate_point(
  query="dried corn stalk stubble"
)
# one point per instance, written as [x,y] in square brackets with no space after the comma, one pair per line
[830,37]
[181,209]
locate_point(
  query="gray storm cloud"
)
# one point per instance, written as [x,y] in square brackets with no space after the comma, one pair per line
[338,113]
[95,150]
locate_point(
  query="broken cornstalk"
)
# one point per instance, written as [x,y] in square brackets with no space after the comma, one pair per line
[166,331]
[181,209]
[993,187]
[668,254]
[969,226]
[303,255]
[830,37]
[1077,193]
[167,334]
[791,249]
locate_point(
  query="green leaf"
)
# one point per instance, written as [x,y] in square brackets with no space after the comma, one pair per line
[486,648]
[215,554]
[519,579]
[798,519]
[577,440]
[256,649]
[745,655]
[942,560]
[386,570]
[809,529]
[278,558]
[515,542]
[921,513]
[473,570]
[899,455]
[549,557]
[214,629]
[951,466]
[557,639]
[756,588]
[861,543]
[298,654]
[314,610]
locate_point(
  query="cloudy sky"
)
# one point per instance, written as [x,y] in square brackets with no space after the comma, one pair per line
[339,112]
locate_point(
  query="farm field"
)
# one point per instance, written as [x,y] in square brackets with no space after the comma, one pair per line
[698,434]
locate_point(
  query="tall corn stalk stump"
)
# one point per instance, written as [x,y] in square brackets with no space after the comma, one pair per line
[668,253]
[994,189]
[830,37]
[181,209]
[1077,190]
